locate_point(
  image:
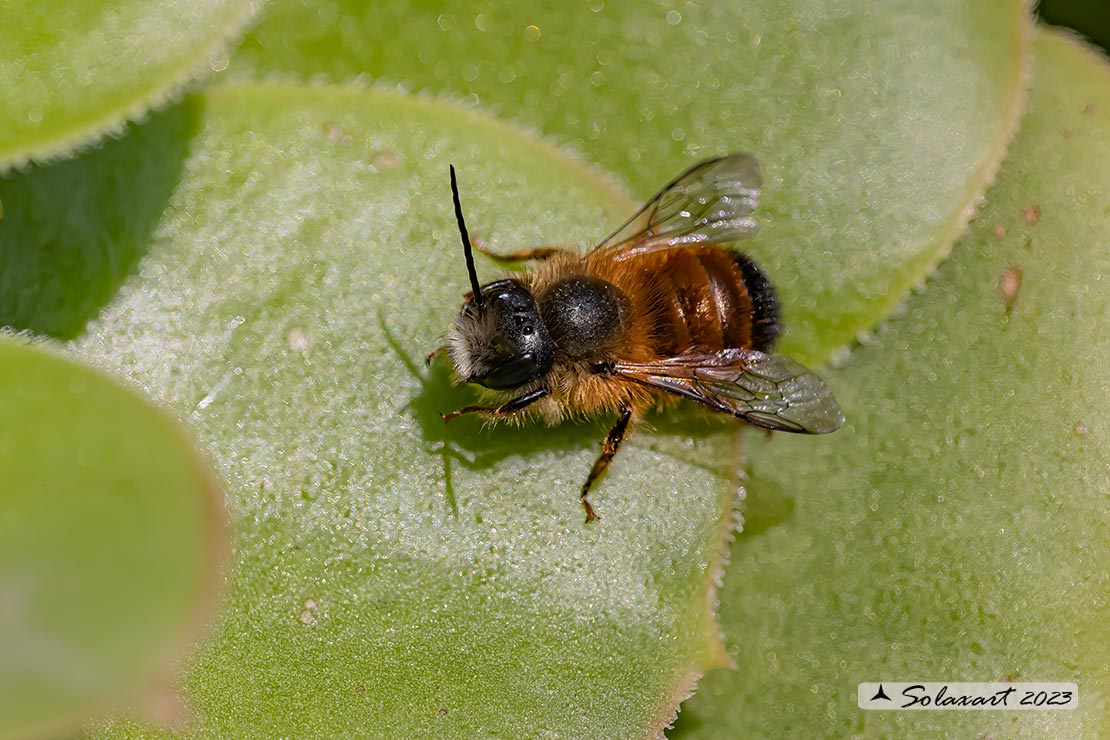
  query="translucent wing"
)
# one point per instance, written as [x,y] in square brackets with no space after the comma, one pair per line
[770,392]
[710,203]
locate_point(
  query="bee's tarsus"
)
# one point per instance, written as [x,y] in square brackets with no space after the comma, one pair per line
[590,515]
[434,354]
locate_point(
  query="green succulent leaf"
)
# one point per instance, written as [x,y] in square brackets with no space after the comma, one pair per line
[878,124]
[111,537]
[394,574]
[75,71]
[72,232]
[955,529]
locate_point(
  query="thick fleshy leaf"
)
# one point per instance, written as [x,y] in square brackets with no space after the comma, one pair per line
[73,231]
[878,124]
[111,537]
[74,71]
[395,576]
[955,530]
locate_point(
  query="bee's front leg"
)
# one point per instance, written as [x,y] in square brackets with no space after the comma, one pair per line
[608,450]
[434,354]
[506,409]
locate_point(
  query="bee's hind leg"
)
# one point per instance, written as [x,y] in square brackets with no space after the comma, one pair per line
[506,409]
[608,451]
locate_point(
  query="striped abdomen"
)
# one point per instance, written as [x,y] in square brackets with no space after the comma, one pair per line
[709,298]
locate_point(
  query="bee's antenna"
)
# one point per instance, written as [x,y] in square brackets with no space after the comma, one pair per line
[467,249]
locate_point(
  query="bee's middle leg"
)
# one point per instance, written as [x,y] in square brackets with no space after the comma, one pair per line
[538,254]
[506,409]
[608,451]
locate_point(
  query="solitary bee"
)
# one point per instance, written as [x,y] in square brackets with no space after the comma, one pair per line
[658,309]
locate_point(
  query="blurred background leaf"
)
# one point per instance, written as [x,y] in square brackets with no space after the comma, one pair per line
[72,233]
[111,537]
[74,72]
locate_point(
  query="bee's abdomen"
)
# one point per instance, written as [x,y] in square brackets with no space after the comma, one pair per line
[712,298]
[766,324]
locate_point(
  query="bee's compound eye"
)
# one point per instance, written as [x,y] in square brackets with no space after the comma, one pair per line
[512,374]
[522,347]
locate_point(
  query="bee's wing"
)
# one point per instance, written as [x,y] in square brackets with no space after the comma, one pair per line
[711,203]
[770,392]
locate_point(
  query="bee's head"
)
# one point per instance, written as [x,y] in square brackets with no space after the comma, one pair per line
[498,339]
[504,344]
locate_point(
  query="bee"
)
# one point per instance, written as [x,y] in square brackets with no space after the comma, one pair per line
[659,309]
